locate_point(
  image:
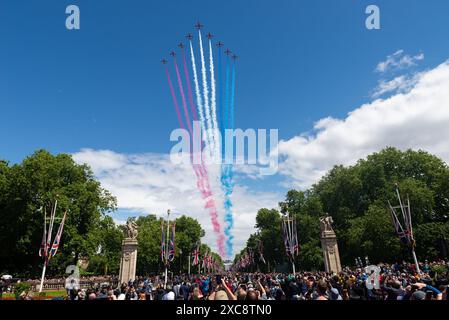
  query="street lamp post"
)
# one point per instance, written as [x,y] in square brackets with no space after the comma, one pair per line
[290,238]
[188,265]
[180,261]
[166,248]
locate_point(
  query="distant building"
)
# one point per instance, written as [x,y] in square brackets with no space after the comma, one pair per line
[227,264]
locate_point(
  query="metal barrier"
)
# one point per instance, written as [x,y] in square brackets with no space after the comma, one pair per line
[59,285]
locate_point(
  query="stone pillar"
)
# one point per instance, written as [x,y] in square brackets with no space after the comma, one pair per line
[128,261]
[330,251]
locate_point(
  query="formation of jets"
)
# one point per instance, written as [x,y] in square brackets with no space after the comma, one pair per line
[209,36]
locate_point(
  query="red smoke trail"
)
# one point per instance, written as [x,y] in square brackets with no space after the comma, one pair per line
[189,87]
[175,102]
[184,103]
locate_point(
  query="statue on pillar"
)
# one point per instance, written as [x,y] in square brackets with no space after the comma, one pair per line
[131,229]
[329,245]
[129,252]
[326,223]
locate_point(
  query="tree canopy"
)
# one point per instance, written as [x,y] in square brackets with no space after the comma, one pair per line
[356,197]
[36,183]
[90,233]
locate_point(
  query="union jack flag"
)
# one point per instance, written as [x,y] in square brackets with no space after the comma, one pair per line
[290,235]
[171,246]
[210,262]
[405,231]
[205,260]
[296,245]
[196,256]
[163,243]
[57,240]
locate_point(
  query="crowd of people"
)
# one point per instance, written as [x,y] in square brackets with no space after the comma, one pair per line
[399,281]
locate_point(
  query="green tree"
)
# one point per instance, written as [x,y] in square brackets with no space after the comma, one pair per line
[373,235]
[108,238]
[37,182]
[357,198]
[149,245]
[188,234]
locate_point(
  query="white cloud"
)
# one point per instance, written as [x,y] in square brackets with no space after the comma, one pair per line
[400,84]
[151,183]
[417,119]
[398,60]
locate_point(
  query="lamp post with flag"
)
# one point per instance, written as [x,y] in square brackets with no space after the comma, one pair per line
[48,248]
[405,230]
[290,235]
[168,245]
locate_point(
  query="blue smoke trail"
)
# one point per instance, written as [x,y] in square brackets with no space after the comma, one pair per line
[220,96]
[225,113]
[226,169]
[228,186]
[232,95]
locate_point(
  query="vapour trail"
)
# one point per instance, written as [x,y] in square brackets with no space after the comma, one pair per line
[225,115]
[233,95]
[203,182]
[183,98]
[228,176]
[227,184]
[206,97]
[220,95]
[175,101]
[201,174]
[226,172]
[214,101]
[199,99]
[189,87]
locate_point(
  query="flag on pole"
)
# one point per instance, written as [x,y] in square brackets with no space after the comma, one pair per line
[163,243]
[290,235]
[404,232]
[57,240]
[210,262]
[285,235]
[205,259]
[50,227]
[196,256]
[171,248]
[295,239]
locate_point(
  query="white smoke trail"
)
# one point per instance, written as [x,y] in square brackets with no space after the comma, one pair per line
[198,94]
[206,99]
[214,102]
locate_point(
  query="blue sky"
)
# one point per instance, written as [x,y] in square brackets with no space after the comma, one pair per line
[103,87]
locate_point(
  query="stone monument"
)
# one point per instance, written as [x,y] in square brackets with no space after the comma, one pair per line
[129,252]
[329,245]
